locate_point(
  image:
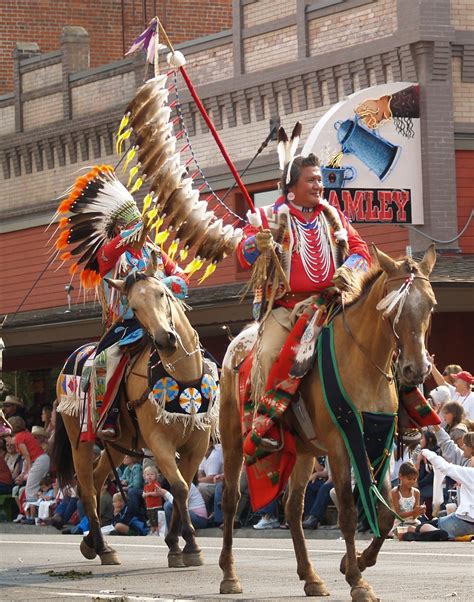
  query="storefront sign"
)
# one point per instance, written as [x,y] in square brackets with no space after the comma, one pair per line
[370,151]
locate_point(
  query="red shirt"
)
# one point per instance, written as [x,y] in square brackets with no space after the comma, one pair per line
[153,501]
[33,447]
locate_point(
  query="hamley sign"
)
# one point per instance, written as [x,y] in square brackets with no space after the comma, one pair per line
[370,151]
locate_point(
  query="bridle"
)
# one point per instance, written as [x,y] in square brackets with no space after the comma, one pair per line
[170,366]
[395,300]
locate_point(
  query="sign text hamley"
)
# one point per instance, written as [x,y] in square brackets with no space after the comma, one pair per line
[372,206]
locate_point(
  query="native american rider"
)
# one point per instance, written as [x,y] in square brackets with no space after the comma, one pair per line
[117,259]
[105,236]
[318,249]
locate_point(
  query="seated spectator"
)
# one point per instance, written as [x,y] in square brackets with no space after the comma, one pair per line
[269,518]
[196,506]
[425,472]
[45,498]
[126,519]
[317,496]
[6,479]
[154,496]
[461,522]
[35,461]
[66,507]
[460,385]
[438,397]
[131,475]
[5,428]
[46,417]
[242,505]
[210,472]
[450,371]
[406,498]
[42,436]
[453,414]
[13,458]
[453,453]
[13,406]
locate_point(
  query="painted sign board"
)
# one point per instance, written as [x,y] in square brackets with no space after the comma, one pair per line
[370,151]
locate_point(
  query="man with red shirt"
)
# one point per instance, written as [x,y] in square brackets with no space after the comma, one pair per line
[318,249]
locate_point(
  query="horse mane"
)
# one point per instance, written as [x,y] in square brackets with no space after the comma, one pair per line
[365,280]
[132,278]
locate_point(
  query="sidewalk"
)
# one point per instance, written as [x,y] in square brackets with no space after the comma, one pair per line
[321,533]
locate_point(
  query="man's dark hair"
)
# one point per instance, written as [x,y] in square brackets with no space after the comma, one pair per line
[299,162]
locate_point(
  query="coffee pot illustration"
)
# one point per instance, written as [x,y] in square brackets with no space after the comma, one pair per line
[368,146]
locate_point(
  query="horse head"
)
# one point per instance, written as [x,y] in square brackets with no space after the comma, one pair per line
[408,304]
[151,302]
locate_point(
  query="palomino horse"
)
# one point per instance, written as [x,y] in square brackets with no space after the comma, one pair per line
[364,346]
[170,333]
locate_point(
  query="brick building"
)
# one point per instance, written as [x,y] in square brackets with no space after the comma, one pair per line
[291,59]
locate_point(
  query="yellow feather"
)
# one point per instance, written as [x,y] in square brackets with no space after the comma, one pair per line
[211,268]
[123,123]
[193,266]
[137,185]
[131,153]
[131,175]
[183,254]
[146,203]
[159,222]
[172,249]
[160,237]
[120,141]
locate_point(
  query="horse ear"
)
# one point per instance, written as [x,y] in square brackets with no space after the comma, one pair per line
[118,284]
[152,264]
[387,264]
[426,265]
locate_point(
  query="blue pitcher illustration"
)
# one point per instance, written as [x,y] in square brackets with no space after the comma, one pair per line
[378,154]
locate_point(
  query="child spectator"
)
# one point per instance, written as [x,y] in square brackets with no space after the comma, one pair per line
[131,475]
[35,460]
[126,519]
[453,414]
[406,498]
[317,496]
[6,479]
[42,436]
[67,505]
[425,471]
[45,498]
[154,496]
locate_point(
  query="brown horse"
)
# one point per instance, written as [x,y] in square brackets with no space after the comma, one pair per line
[170,333]
[364,346]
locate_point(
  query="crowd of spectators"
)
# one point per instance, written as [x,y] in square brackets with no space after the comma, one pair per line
[432,478]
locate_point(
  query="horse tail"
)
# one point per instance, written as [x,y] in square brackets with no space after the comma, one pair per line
[61,455]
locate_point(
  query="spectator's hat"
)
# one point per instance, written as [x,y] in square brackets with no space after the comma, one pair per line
[440,395]
[39,431]
[12,400]
[465,376]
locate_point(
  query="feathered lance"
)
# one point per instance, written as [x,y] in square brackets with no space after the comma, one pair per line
[227,159]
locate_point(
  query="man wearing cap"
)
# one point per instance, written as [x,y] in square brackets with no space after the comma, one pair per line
[461,391]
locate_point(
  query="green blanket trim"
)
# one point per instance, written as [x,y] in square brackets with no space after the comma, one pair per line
[374,494]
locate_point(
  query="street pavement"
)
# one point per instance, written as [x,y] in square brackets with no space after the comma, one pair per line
[36,566]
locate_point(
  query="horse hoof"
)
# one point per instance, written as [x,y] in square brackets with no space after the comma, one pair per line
[175,561]
[230,586]
[316,588]
[193,559]
[87,551]
[110,557]
[361,593]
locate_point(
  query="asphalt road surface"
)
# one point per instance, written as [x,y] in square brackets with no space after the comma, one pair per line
[35,567]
